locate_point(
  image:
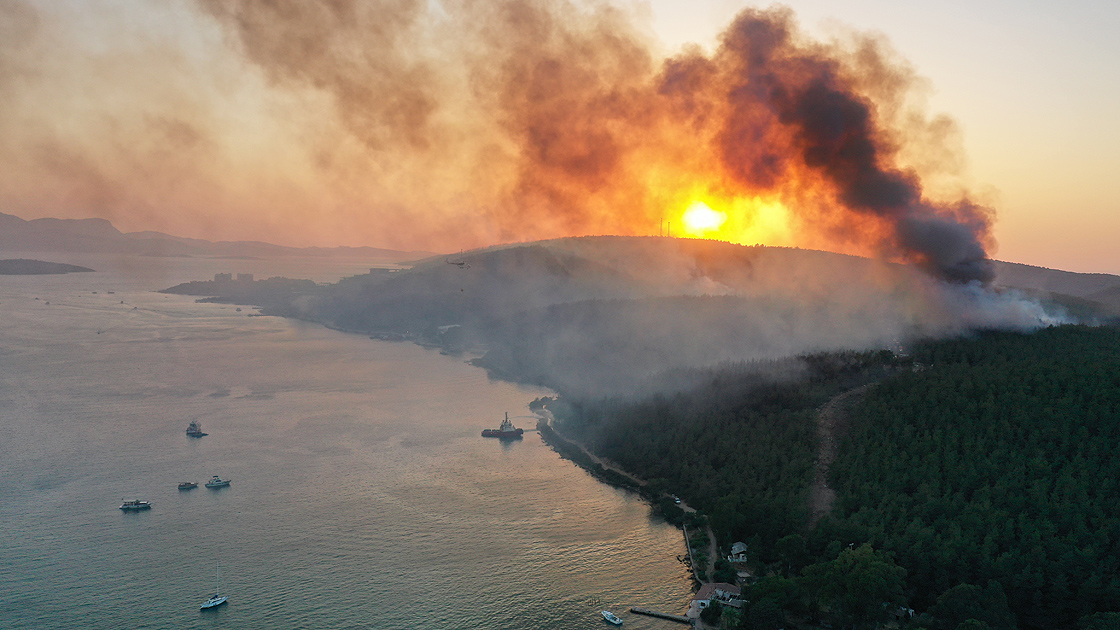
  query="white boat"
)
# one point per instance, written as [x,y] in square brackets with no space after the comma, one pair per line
[217,482]
[136,505]
[611,617]
[217,599]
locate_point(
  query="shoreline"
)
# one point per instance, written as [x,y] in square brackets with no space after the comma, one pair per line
[616,477]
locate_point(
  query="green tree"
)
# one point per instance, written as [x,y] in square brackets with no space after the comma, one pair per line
[860,587]
[712,612]
[783,591]
[765,614]
[792,550]
[968,601]
[1101,621]
[724,572]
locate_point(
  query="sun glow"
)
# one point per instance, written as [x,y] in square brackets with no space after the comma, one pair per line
[765,222]
[744,220]
[700,218]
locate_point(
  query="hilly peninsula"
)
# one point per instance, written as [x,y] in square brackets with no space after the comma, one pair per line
[856,443]
[596,315]
[28,267]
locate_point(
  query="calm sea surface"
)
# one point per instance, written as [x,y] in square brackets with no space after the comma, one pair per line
[362,495]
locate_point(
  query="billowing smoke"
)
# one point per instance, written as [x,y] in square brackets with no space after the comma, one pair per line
[466,122]
[773,81]
[785,117]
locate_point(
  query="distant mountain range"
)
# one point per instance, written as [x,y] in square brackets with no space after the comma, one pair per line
[98,236]
[1095,291]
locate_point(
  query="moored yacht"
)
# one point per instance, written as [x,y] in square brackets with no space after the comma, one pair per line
[217,599]
[214,601]
[217,482]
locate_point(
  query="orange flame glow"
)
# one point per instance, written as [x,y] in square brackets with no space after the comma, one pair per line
[700,219]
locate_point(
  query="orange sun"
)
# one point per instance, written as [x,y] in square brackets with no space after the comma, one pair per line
[699,219]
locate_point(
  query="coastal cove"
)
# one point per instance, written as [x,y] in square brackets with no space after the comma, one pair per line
[361,495]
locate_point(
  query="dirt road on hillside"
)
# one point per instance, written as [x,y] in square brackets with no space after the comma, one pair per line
[832,424]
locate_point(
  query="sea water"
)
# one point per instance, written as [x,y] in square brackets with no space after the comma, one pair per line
[362,494]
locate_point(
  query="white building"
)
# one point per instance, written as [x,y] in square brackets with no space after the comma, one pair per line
[726,594]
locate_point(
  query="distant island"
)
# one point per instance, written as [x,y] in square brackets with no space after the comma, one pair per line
[271,294]
[28,267]
[98,236]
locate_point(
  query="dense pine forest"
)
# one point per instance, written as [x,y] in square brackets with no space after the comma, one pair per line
[998,462]
[977,481]
[741,444]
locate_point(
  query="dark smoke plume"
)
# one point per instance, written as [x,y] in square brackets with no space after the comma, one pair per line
[457,123]
[591,114]
[834,134]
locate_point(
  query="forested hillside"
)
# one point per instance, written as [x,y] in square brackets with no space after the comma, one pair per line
[997,461]
[740,445]
[985,468]
[597,315]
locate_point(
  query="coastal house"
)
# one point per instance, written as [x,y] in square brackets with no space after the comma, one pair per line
[740,560]
[726,594]
[738,553]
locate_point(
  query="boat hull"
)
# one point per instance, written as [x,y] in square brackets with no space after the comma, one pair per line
[136,507]
[213,602]
[503,435]
[217,482]
[611,618]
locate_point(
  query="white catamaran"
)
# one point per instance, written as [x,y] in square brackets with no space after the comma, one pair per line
[217,599]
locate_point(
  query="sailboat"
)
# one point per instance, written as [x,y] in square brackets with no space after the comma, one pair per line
[217,599]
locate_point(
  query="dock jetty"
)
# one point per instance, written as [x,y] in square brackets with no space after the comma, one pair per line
[661,615]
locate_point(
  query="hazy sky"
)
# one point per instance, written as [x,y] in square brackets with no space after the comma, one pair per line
[425,124]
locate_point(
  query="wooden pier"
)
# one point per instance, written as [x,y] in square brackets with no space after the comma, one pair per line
[661,615]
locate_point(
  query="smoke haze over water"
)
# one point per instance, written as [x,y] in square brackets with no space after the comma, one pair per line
[462,123]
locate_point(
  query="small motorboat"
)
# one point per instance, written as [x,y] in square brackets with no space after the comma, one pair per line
[188,485]
[217,482]
[195,430]
[611,617]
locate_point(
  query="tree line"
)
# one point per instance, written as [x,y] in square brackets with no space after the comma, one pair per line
[977,484]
